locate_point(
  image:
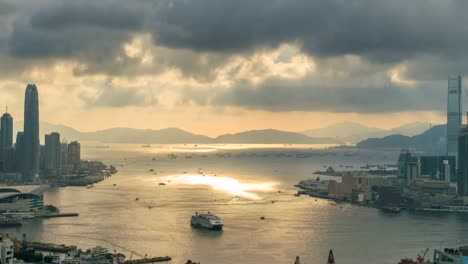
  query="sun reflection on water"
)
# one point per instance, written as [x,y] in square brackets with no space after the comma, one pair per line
[229,185]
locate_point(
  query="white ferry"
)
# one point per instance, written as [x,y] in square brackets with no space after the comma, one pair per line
[208,220]
[315,185]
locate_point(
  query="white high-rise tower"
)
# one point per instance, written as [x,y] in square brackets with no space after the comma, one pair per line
[454,115]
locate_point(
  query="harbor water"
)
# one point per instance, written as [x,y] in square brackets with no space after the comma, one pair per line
[239,183]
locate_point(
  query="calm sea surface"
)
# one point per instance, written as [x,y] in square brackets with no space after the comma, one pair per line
[241,184]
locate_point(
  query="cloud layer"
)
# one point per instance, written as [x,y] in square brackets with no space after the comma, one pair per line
[367,56]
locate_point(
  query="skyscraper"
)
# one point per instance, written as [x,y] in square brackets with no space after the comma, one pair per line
[6,134]
[53,154]
[74,154]
[31,134]
[19,151]
[453,115]
[462,178]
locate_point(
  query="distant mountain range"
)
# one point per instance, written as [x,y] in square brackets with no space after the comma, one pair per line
[354,132]
[431,141]
[178,136]
[273,136]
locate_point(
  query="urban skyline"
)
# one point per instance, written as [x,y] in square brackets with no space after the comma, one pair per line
[27,157]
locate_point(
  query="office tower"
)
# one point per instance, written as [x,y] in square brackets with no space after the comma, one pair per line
[19,151]
[6,134]
[64,150]
[53,153]
[462,179]
[453,115]
[31,134]
[74,154]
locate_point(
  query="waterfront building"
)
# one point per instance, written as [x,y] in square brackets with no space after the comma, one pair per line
[53,152]
[454,116]
[31,134]
[442,168]
[357,186]
[23,198]
[462,180]
[430,194]
[451,255]
[389,196]
[413,170]
[74,154]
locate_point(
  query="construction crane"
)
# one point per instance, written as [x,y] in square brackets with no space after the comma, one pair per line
[297,260]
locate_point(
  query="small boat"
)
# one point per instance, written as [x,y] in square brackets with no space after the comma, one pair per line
[262,218]
[137,199]
[114,184]
[151,205]
[391,209]
[89,186]
[151,170]
[162,183]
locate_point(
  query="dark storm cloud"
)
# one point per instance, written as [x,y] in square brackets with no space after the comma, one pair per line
[200,37]
[82,29]
[277,95]
[381,30]
[111,96]
[97,14]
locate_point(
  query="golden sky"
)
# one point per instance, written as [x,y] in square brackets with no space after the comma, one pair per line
[175,64]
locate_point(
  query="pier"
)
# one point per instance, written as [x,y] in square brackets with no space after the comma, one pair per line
[149,260]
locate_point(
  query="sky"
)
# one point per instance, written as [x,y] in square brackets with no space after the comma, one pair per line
[223,66]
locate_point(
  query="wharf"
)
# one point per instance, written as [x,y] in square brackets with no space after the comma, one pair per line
[10,221]
[51,247]
[59,215]
[148,260]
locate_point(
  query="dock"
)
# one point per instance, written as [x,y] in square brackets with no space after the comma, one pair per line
[10,221]
[60,215]
[51,247]
[148,260]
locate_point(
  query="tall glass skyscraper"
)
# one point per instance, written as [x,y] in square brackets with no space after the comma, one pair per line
[6,133]
[31,134]
[454,116]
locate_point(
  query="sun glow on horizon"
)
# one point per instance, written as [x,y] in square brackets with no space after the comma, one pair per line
[229,185]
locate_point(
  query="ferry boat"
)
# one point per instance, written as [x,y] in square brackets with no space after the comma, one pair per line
[314,185]
[208,220]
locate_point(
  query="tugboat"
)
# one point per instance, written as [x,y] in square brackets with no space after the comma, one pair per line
[208,221]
